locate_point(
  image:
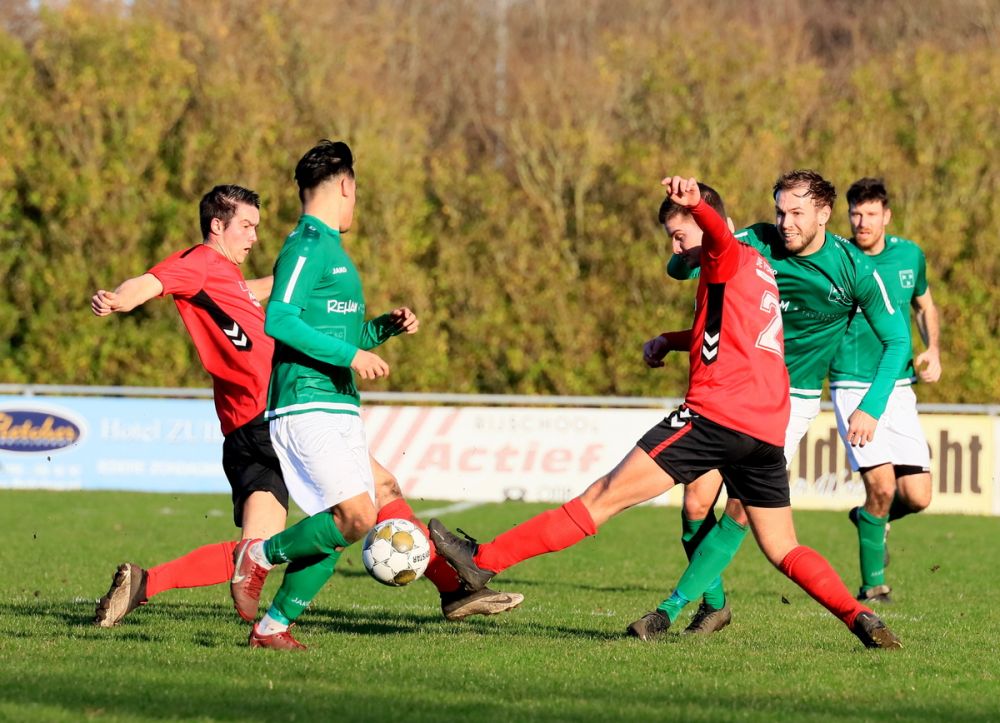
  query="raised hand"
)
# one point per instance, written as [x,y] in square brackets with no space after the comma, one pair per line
[404,320]
[682,191]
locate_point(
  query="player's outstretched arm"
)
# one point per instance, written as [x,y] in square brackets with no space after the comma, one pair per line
[129,294]
[718,262]
[261,288]
[382,328]
[657,348]
[928,362]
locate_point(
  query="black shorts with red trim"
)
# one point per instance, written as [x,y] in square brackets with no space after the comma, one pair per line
[251,465]
[687,445]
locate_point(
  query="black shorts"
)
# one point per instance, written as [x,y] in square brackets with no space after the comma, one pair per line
[252,466]
[687,446]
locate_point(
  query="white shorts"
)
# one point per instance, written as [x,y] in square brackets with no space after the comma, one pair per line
[324,458]
[898,437]
[804,411]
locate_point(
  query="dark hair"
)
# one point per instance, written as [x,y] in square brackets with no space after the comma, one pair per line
[669,209]
[325,160]
[822,191]
[868,189]
[221,203]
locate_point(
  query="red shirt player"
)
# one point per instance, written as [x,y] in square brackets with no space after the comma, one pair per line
[221,311]
[733,420]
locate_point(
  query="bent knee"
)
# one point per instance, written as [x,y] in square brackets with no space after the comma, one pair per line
[735,510]
[356,525]
[919,503]
[387,489]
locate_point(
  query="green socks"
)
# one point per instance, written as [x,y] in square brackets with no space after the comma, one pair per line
[694,532]
[310,547]
[871,539]
[712,556]
[303,580]
[316,535]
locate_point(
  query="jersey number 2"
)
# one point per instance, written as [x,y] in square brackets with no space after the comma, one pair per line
[768,338]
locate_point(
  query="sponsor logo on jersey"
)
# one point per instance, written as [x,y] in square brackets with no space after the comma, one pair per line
[37,430]
[338,270]
[335,306]
[907,278]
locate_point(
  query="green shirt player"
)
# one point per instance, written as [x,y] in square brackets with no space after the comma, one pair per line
[317,318]
[895,466]
[822,281]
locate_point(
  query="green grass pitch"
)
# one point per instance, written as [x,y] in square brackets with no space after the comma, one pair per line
[378,653]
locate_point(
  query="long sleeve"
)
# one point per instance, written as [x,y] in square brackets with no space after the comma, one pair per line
[284,323]
[720,259]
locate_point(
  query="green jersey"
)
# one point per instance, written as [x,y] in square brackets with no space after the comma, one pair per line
[903,269]
[317,316]
[820,293]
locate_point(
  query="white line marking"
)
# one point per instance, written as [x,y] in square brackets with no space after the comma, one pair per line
[438,511]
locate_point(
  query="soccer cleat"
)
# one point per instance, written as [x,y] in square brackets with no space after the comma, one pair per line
[459,553]
[248,580]
[877,594]
[873,632]
[852,515]
[462,602]
[278,641]
[709,620]
[127,592]
[649,626]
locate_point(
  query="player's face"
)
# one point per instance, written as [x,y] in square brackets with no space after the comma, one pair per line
[349,192]
[801,224]
[241,233]
[868,222]
[685,235]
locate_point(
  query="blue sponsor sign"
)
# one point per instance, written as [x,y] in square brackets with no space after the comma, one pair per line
[149,445]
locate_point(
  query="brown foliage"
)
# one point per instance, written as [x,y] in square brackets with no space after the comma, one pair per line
[509,154]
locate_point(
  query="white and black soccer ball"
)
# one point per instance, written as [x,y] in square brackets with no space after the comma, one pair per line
[396,552]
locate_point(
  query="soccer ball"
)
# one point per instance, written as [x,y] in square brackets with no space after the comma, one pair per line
[396,552]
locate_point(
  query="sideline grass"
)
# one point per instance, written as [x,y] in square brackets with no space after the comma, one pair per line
[387,654]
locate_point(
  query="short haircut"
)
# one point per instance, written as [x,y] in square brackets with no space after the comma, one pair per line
[868,189]
[221,203]
[326,160]
[669,209]
[821,190]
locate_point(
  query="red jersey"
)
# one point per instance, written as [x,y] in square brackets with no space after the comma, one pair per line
[738,376]
[226,323]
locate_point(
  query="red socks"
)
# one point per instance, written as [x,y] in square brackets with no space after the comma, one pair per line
[438,571]
[548,532]
[810,571]
[208,565]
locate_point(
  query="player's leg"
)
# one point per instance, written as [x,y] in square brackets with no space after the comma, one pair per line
[874,462]
[259,506]
[721,544]
[457,601]
[872,521]
[911,456]
[325,461]
[704,569]
[761,483]
[636,479]
[697,520]
[808,569]
[913,491]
